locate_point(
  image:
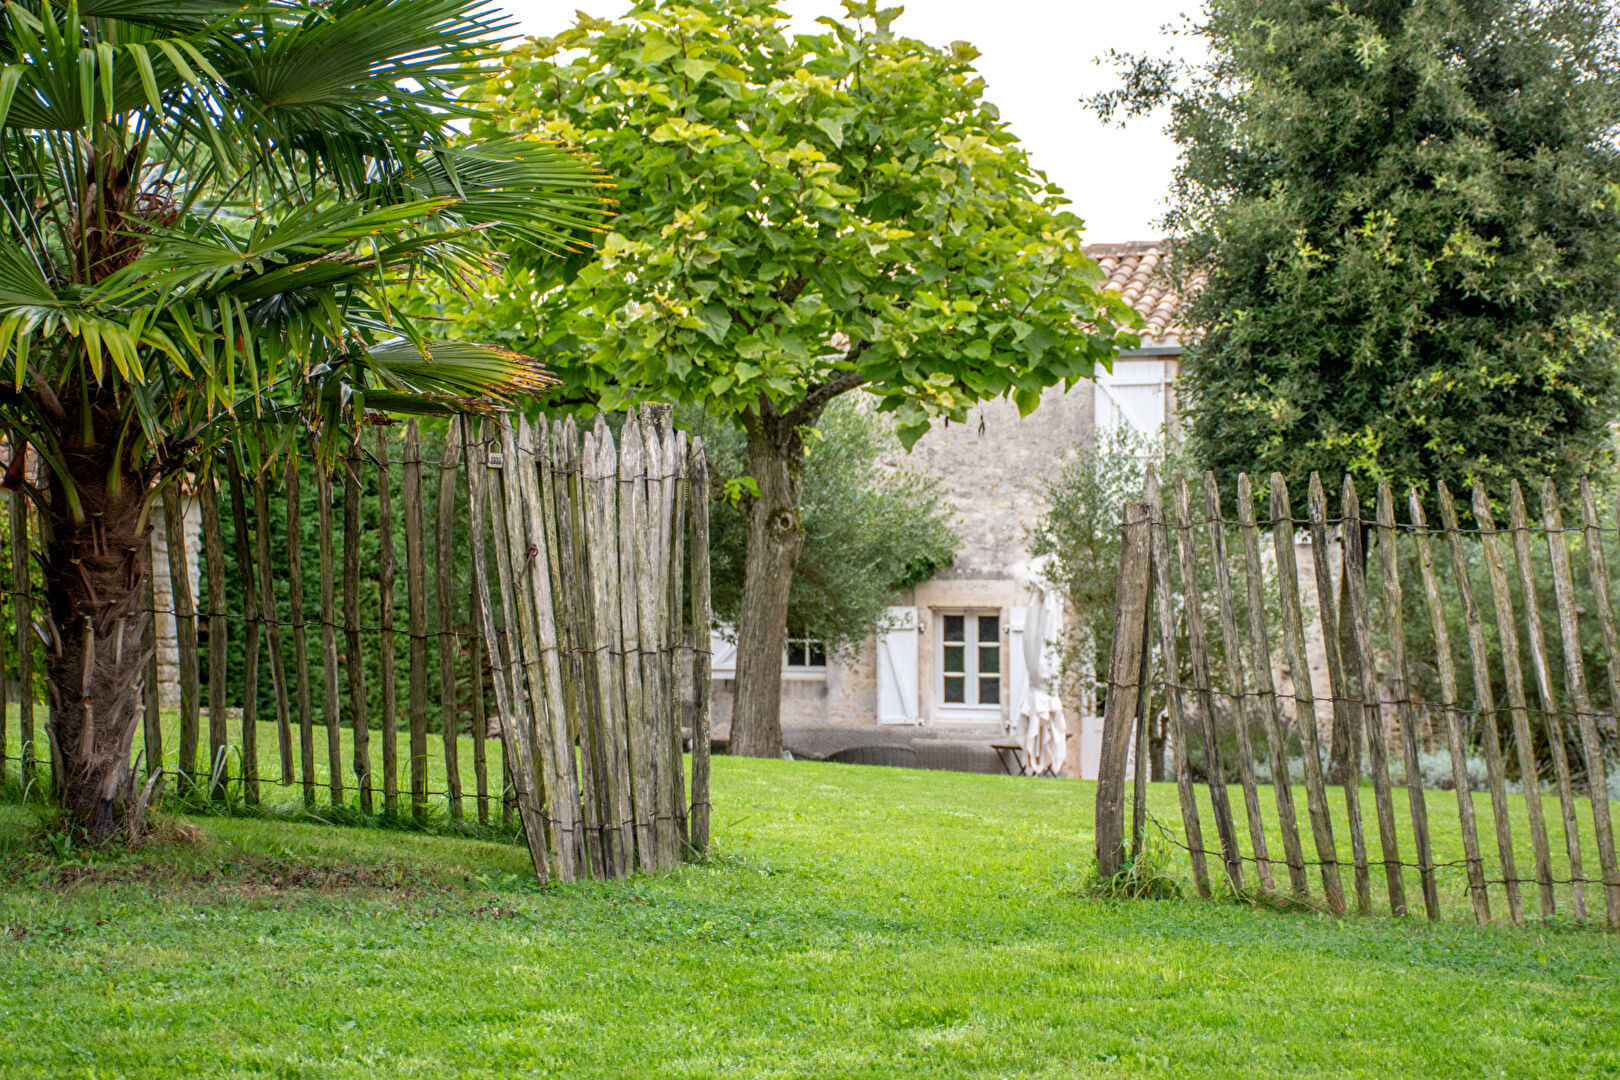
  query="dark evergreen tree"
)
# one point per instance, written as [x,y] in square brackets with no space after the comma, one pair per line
[1409,218]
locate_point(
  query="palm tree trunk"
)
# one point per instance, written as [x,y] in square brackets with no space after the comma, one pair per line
[95,567]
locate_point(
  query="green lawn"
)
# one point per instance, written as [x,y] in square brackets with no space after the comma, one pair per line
[857,922]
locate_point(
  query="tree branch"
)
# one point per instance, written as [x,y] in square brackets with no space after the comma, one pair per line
[810,406]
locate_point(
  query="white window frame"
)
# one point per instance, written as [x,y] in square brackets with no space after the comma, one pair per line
[969,709]
[807,670]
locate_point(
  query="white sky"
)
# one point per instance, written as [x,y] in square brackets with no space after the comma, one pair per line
[1038,62]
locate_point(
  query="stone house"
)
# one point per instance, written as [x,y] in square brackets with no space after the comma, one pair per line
[905,698]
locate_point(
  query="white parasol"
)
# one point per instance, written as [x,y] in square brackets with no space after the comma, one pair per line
[1039,725]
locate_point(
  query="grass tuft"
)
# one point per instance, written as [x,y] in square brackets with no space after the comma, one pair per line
[1143,876]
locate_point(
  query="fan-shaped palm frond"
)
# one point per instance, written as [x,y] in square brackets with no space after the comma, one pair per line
[218,203]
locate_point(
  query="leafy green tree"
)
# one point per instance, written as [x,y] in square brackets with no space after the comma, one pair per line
[869,530]
[1409,215]
[206,206]
[798,216]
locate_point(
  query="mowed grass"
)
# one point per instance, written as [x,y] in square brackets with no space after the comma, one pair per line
[1165,823]
[855,922]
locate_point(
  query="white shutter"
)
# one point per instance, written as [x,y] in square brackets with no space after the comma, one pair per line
[723,653]
[1017,669]
[1131,395]
[897,668]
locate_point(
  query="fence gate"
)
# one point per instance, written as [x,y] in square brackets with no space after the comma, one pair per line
[1250,676]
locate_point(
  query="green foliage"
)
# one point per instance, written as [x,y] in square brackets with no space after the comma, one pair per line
[797,215]
[1410,219]
[206,206]
[870,529]
[949,900]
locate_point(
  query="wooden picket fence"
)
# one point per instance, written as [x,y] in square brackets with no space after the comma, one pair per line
[1169,573]
[587,618]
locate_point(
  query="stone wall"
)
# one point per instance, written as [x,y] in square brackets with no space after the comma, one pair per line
[993,467]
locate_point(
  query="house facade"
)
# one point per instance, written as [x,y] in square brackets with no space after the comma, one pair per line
[939,683]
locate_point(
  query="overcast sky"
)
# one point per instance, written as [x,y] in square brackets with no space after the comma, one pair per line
[1038,62]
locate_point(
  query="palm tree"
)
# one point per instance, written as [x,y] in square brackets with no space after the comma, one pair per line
[214,212]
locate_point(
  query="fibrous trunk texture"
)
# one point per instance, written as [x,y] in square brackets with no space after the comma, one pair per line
[775,538]
[95,568]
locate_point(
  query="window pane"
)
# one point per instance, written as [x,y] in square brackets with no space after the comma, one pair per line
[954,658]
[955,692]
[990,659]
[989,627]
[818,654]
[795,654]
[954,626]
[989,690]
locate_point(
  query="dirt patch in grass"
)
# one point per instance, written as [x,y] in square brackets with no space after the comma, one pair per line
[238,877]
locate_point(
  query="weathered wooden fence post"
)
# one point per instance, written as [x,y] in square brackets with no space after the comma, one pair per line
[447,640]
[295,603]
[416,618]
[385,624]
[1125,670]
[359,719]
[481,494]
[214,580]
[185,621]
[702,688]
[267,609]
[329,654]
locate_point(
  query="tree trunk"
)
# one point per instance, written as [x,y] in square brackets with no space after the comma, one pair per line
[95,569]
[775,538]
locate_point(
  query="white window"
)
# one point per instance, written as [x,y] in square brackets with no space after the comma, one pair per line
[723,652]
[969,661]
[806,654]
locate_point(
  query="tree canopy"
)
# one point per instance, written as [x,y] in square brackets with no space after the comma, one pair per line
[1409,216]
[796,212]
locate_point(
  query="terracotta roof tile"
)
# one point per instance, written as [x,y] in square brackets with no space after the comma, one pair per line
[1137,271]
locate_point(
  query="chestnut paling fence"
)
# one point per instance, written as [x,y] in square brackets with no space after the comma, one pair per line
[1425,634]
[589,578]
